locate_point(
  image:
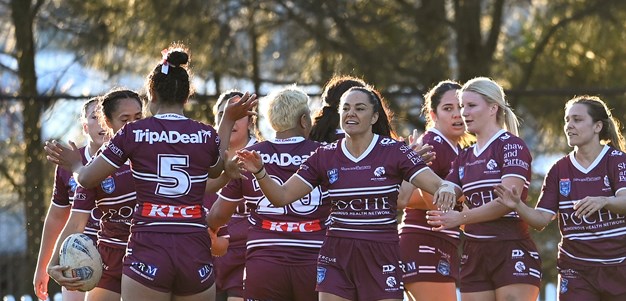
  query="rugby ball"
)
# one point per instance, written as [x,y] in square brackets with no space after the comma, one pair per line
[79,252]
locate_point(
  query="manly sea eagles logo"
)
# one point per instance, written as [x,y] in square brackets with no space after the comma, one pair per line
[607,183]
[461,172]
[565,185]
[333,175]
[379,172]
[108,185]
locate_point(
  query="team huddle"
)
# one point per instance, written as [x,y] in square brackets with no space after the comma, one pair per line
[182,210]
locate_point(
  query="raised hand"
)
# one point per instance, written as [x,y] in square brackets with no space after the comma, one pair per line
[68,158]
[249,160]
[238,107]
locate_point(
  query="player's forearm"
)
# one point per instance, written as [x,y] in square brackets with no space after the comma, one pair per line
[53,225]
[617,203]
[487,212]
[533,217]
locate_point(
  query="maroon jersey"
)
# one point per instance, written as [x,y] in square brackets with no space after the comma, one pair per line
[363,191]
[64,189]
[599,239]
[301,224]
[476,171]
[415,219]
[170,157]
[115,197]
[236,230]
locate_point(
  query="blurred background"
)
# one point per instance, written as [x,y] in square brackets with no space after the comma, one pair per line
[55,54]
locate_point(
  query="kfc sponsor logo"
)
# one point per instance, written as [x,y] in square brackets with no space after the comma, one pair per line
[151,137]
[157,210]
[309,226]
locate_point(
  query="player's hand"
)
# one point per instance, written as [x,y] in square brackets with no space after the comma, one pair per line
[70,283]
[219,245]
[510,198]
[249,160]
[231,168]
[238,107]
[40,283]
[445,196]
[68,158]
[589,205]
[440,220]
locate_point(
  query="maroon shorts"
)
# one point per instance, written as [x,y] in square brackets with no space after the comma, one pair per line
[170,262]
[112,259]
[428,257]
[266,280]
[584,283]
[488,265]
[229,272]
[359,269]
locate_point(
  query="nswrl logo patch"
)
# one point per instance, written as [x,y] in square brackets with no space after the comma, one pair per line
[321,274]
[333,175]
[565,186]
[108,185]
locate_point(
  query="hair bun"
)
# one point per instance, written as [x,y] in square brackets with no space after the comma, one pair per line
[177,57]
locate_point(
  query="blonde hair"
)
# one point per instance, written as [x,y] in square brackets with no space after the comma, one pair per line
[492,93]
[286,106]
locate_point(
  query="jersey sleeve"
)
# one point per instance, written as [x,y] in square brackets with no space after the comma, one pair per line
[84,200]
[617,170]
[232,191]
[60,193]
[214,151]
[409,162]
[549,197]
[119,147]
[310,170]
[516,159]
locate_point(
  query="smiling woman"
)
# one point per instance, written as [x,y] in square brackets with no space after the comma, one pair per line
[362,174]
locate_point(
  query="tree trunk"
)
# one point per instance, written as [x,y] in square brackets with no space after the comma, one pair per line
[32,193]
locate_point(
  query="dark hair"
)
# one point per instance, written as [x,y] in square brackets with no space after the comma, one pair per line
[109,102]
[86,105]
[326,121]
[433,98]
[170,79]
[382,126]
[597,109]
[253,130]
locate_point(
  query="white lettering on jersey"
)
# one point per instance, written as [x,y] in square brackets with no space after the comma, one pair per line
[151,137]
[283,159]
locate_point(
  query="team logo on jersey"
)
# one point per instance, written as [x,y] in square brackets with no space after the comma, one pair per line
[72,183]
[563,285]
[391,281]
[443,267]
[565,185]
[461,172]
[333,175]
[492,164]
[321,274]
[606,181]
[615,153]
[437,138]
[108,185]
[379,171]
[505,136]
[520,266]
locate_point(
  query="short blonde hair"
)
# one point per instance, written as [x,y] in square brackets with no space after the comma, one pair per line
[285,106]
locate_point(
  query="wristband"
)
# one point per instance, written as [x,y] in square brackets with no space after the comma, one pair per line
[260,178]
[260,170]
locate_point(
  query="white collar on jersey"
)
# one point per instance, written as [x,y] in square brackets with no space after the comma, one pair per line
[595,162]
[477,151]
[290,140]
[436,131]
[170,116]
[345,151]
[251,142]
